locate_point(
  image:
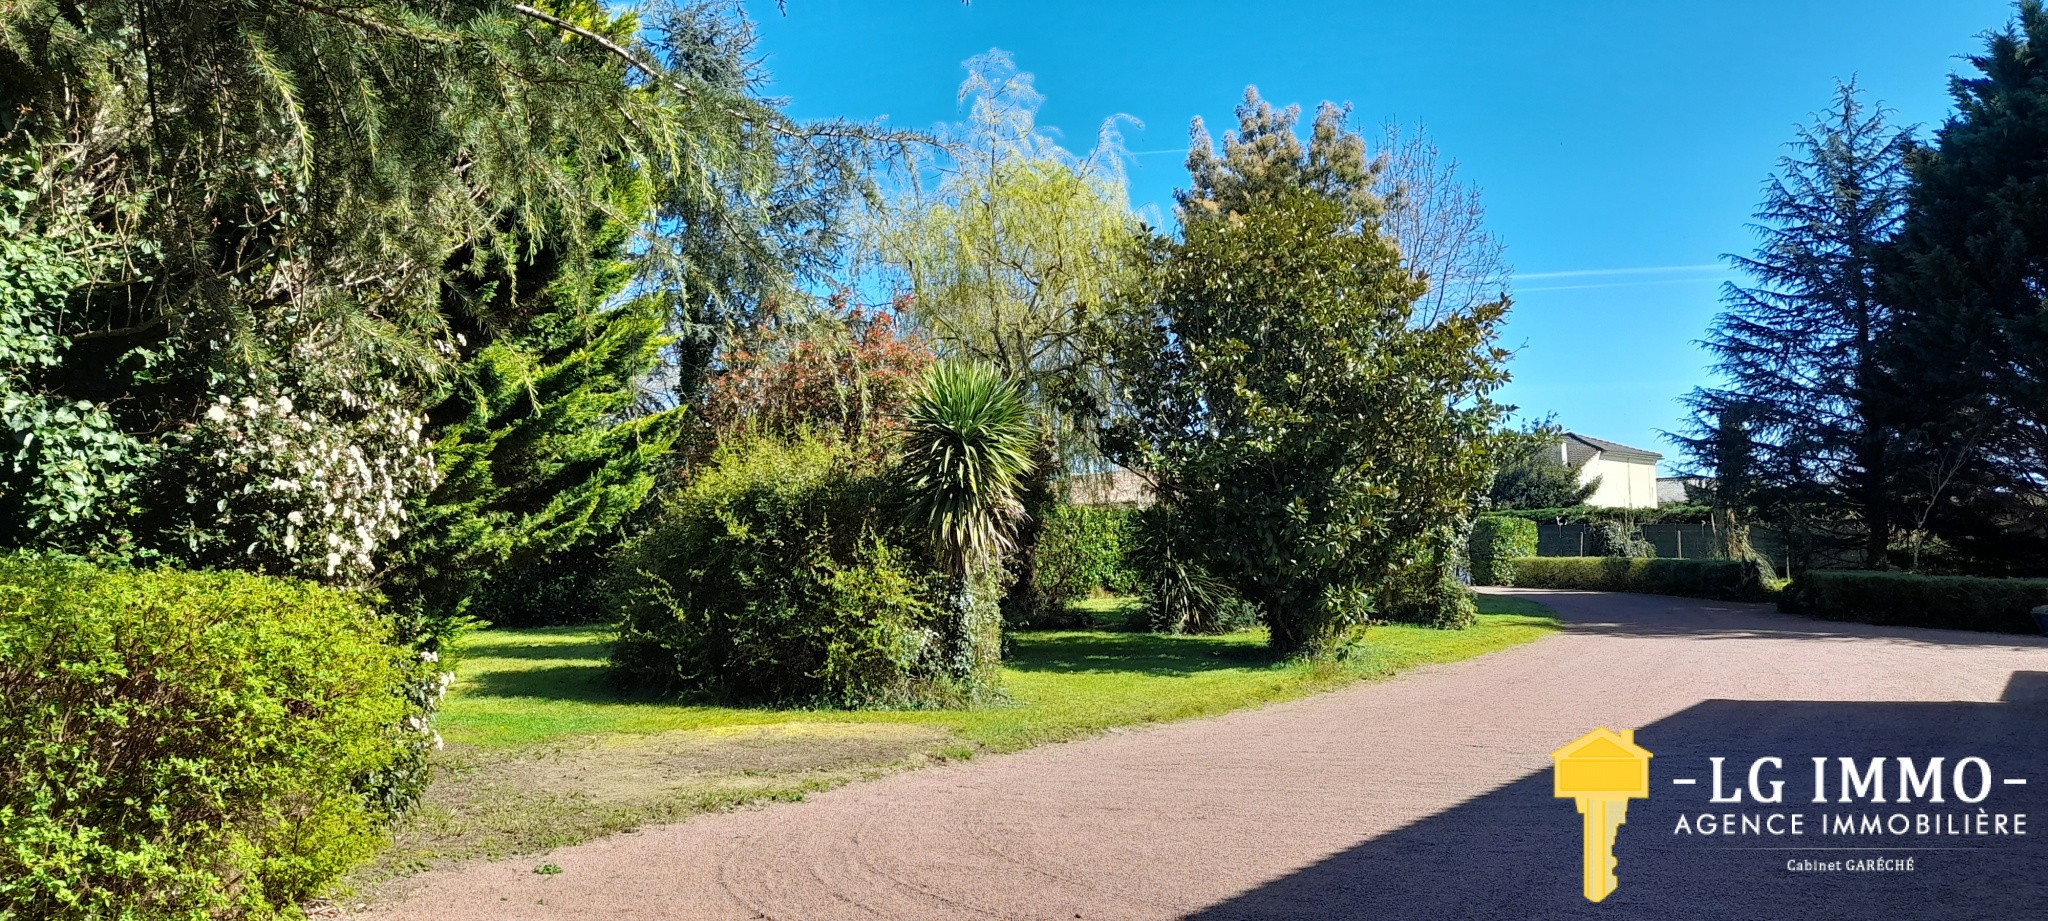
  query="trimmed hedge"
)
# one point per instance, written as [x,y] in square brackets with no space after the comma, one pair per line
[188,745]
[1727,580]
[1497,542]
[1904,599]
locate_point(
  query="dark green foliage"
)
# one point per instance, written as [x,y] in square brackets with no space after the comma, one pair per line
[1427,592]
[65,466]
[1728,580]
[1179,594]
[1532,476]
[785,572]
[1618,538]
[1498,542]
[188,745]
[1904,599]
[1796,437]
[1081,549]
[1312,438]
[1966,276]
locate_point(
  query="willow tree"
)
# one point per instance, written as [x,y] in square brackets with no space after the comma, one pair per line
[1008,260]
[1010,257]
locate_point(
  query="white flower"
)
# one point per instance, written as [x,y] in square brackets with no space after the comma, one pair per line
[295,517]
[216,413]
[430,656]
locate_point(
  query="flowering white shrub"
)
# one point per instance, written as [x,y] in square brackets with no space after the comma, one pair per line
[309,484]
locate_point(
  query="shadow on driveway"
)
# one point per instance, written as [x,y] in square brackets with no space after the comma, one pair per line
[1513,853]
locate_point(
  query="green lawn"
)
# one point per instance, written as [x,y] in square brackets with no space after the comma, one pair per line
[543,752]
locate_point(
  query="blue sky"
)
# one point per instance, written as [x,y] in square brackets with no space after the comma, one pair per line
[1621,146]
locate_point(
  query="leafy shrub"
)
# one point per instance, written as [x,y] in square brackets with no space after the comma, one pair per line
[1498,541]
[1904,599]
[1082,549]
[1426,592]
[783,572]
[1731,580]
[1618,538]
[187,745]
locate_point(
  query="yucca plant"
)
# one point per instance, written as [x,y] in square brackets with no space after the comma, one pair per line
[967,446]
[966,449]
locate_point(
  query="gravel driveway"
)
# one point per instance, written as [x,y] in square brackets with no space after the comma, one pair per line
[1424,797]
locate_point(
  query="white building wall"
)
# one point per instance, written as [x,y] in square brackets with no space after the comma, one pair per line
[1623,484]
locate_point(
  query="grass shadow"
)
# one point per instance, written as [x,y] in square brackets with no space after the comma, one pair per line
[1138,653]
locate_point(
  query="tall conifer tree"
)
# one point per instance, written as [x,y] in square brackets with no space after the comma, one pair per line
[1798,346]
[1969,277]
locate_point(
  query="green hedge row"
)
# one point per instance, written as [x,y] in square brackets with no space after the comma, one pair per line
[1728,580]
[1588,514]
[1904,599]
[188,745]
[1497,542]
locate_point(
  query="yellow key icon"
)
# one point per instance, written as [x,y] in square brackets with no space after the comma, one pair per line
[1602,770]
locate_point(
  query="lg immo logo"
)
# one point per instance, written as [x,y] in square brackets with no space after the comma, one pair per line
[1602,770]
[1820,803]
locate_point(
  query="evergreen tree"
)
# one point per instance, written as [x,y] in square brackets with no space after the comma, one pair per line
[543,459]
[1968,276]
[1316,449]
[1799,348]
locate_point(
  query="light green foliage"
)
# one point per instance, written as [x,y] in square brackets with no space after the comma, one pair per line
[1731,580]
[187,746]
[1314,440]
[1010,259]
[1497,543]
[966,447]
[542,457]
[781,573]
[1083,550]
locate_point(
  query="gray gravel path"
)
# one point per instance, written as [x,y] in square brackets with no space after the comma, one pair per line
[1427,796]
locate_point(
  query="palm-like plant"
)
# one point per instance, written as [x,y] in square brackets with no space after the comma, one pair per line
[966,450]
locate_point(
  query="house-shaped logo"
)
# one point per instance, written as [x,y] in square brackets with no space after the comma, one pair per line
[1602,770]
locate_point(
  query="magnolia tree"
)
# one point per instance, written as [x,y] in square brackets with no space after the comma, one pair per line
[1316,447]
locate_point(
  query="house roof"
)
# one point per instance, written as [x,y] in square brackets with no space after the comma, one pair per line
[1578,449]
[1118,486]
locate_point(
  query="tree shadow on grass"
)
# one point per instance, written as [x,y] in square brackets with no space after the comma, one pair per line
[595,649]
[1154,654]
[1513,853]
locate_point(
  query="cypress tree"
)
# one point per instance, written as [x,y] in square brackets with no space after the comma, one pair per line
[1969,278]
[544,457]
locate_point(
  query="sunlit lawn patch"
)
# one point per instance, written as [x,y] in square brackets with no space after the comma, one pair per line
[544,751]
